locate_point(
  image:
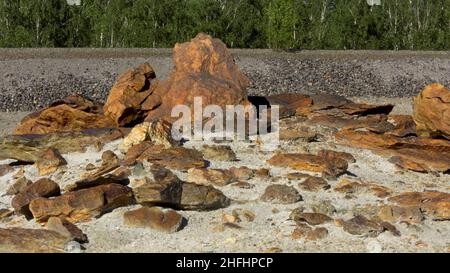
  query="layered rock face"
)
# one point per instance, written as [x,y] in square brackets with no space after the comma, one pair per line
[432,111]
[129,100]
[203,68]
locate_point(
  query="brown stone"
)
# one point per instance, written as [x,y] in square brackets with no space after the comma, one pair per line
[199,197]
[308,217]
[329,167]
[418,154]
[67,229]
[290,103]
[281,194]
[410,214]
[109,158]
[158,132]
[20,240]
[432,111]
[317,234]
[178,158]
[124,103]
[360,225]
[168,221]
[314,184]
[203,68]
[72,114]
[82,205]
[30,148]
[332,155]
[165,191]
[435,205]
[351,186]
[50,161]
[41,188]
[242,173]
[97,180]
[5,213]
[18,186]
[219,153]
[213,177]
[297,135]
[404,126]
[5,169]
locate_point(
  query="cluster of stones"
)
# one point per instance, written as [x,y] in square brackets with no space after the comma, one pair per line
[204,67]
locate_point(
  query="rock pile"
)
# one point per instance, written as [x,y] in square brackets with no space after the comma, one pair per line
[155,178]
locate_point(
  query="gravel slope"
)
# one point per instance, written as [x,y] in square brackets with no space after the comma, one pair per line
[32,78]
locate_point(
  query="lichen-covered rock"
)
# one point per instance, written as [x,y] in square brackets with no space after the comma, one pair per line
[281,194]
[432,111]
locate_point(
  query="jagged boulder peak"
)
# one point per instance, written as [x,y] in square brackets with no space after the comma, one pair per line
[128,95]
[432,111]
[203,68]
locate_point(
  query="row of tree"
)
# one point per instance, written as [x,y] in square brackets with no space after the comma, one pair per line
[297,24]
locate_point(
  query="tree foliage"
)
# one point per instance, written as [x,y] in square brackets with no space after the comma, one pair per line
[294,24]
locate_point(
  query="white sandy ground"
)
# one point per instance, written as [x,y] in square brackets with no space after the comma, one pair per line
[269,229]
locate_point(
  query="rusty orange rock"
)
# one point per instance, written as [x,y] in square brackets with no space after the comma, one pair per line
[203,68]
[129,93]
[432,111]
[71,114]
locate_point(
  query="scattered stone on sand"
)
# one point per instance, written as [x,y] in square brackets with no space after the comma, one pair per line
[158,132]
[203,68]
[329,167]
[20,240]
[97,180]
[19,186]
[168,221]
[42,188]
[82,205]
[317,234]
[5,169]
[311,218]
[324,207]
[50,161]
[242,173]
[353,186]
[329,154]
[199,197]
[178,158]
[360,225]
[67,229]
[243,185]
[392,214]
[126,98]
[435,205]
[29,148]
[314,184]
[71,114]
[281,194]
[301,134]
[163,192]
[432,111]
[243,214]
[5,213]
[210,177]
[417,154]
[218,153]
[109,158]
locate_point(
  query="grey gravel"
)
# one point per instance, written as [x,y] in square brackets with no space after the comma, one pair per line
[33,78]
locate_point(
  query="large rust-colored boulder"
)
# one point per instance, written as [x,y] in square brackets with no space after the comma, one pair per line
[432,111]
[129,93]
[73,113]
[82,205]
[20,240]
[203,68]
